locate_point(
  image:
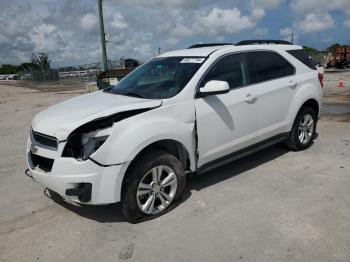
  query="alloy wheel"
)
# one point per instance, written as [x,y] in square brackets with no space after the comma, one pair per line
[156,190]
[306,129]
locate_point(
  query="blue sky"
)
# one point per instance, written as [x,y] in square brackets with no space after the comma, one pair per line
[68,29]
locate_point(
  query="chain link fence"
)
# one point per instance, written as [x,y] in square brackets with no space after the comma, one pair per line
[84,73]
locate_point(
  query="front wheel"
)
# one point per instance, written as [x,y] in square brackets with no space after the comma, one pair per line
[155,182]
[304,129]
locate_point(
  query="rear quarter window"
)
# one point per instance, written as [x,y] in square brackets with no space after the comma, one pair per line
[267,65]
[302,56]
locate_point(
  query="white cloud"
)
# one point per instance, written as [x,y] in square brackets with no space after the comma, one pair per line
[217,22]
[163,27]
[44,29]
[316,22]
[261,31]
[45,37]
[226,21]
[12,27]
[68,30]
[144,49]
[182,31]
[286,31]
[220,38]
[306,6]
[119,21]
[161,3]
[258,13]
[267,4]
[171,42]
[89,22]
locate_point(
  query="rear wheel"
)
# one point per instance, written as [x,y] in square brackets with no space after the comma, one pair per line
[155,182]
[304,129]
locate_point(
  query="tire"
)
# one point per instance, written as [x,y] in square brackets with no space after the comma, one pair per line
[143,196]
[295,140]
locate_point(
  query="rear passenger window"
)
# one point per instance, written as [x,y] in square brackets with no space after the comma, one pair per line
[232,68]
[302,57]
[269,65]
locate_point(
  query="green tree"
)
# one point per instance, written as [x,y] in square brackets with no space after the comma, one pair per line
[9,69]
[38,61]
[41,60]
[311,51]
[28,66]
[332,48]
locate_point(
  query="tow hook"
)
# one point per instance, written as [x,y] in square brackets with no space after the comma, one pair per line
[27,173]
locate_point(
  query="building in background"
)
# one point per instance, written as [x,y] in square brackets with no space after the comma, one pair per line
[342,54]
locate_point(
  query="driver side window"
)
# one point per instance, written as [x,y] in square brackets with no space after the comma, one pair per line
[232,68]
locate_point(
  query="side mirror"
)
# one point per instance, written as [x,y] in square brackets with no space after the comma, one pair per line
[214,87]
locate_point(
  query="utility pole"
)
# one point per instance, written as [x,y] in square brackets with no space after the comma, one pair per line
[293,37]
[103,36]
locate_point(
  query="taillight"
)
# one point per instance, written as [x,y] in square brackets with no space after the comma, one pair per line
[320,78]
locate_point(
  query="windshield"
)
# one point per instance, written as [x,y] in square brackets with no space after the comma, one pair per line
[159,78]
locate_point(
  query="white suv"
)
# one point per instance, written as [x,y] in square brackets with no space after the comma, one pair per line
[184,111]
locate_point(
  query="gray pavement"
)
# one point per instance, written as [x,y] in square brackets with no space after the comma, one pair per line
[275,205]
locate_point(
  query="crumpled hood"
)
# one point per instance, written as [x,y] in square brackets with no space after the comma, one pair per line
[61,119]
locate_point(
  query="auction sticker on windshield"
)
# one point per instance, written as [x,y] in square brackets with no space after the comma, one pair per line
[196,60]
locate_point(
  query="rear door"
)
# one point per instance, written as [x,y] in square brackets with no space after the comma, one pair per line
[227,122]
[274,77]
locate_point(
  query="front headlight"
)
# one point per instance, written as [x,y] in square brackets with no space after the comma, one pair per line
[82,143]
[88,138]
[92,141]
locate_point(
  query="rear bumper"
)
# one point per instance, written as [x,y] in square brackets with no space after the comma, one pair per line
[69,175]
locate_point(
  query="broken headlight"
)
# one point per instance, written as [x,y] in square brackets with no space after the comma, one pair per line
[84,142]
[88,138]
[93,140]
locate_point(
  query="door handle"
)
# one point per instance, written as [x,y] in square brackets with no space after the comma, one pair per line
[293,84]
[251,98]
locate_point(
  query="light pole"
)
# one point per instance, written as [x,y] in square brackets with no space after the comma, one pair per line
[103,36]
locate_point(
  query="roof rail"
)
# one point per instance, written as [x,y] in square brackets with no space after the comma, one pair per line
[207,45]
[254,42]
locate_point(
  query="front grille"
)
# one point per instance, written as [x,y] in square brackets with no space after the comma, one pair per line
[45,140]
[42,162]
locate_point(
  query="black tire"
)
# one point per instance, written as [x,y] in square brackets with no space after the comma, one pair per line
[130,209]
[293,142]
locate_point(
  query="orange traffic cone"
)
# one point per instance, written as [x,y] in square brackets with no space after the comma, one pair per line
[340,83]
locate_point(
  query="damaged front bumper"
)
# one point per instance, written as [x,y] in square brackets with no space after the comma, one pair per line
[80,181]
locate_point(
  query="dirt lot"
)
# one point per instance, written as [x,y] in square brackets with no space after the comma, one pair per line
[275,205]
[334,94]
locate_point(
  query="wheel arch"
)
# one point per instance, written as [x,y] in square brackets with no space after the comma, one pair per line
[171,146]
[312,103]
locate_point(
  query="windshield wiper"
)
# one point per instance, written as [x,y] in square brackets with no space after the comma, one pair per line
[134,94]
[131,94]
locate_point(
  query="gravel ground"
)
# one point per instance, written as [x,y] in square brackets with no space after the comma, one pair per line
[334,94]
[275,205]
